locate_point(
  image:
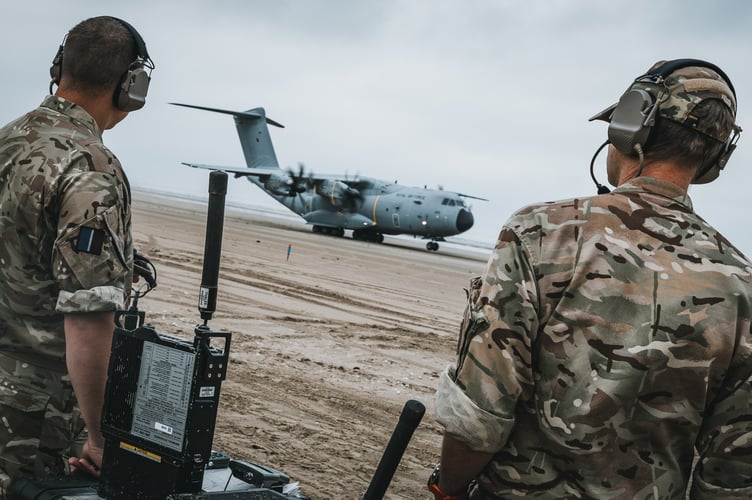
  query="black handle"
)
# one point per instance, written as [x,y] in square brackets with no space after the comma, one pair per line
[409,419]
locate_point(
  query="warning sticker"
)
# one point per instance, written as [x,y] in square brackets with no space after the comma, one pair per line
[140,451]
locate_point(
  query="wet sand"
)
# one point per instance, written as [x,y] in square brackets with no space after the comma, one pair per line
[327,346]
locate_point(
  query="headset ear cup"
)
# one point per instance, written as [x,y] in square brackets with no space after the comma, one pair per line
[56,69]
[712,172]
[724,158]
[130,94]
[631,120]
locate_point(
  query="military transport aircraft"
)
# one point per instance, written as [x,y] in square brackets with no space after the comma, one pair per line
[369,207]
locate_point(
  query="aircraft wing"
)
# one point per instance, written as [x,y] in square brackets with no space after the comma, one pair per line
[356,183]
[237,171]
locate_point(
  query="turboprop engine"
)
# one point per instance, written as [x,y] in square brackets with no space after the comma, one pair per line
[339,194]
[278,184]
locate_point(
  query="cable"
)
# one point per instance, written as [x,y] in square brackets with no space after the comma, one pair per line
[601,188]
[638,149]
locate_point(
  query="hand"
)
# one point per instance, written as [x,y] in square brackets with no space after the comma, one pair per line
[90,461]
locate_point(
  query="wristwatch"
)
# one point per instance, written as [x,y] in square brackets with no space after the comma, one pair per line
[433,487]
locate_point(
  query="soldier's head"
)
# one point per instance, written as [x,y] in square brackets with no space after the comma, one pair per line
[681,111]
[104,55]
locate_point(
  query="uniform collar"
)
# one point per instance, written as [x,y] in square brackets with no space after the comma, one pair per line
[657,187]
[73,111]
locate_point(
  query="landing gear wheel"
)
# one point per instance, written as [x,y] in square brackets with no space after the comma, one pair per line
[432,246]
[363,235]
[331,231]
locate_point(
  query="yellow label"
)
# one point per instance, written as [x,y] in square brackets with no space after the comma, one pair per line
[140,451]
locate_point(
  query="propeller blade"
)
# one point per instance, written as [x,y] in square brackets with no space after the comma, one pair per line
[298,182]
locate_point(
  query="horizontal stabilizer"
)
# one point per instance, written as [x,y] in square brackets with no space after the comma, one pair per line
[253,133]
[236,171]
[254,113]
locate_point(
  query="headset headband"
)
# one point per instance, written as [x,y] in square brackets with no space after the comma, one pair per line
[665,69]
[140,44]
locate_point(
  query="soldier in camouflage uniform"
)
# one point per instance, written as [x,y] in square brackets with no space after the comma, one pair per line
[66,256]
[607,345]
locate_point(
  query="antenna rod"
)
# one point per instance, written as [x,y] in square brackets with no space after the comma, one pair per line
[207,299]
[411,415]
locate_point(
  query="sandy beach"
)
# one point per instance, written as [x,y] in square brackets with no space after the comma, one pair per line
[327,346]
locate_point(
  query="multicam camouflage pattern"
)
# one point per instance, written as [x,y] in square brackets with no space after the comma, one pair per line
[56,177]
[40,423]
[608,338]
[685,88]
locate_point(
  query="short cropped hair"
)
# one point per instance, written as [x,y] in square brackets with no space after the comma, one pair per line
[97,52]
[694,150]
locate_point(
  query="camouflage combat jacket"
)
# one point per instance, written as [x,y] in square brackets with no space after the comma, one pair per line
[65,242]
[607,339]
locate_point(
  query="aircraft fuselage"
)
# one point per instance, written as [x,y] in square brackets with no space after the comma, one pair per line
[381,208]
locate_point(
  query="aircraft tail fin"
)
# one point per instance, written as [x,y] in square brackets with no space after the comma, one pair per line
[253,133]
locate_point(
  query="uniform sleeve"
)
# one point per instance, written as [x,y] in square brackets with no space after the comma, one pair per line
[724,469]
[476,399]
[91,259]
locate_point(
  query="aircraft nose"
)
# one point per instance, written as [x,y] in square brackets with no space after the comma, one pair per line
[464,220]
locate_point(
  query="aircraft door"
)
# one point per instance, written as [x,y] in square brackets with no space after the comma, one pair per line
[441,220]
[385,212]
[425,221]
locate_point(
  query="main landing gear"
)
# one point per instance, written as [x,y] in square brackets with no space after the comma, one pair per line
[432,246]
[366,235]
[331,231]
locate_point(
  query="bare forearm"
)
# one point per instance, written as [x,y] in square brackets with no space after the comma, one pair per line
[88,339]
[459,465]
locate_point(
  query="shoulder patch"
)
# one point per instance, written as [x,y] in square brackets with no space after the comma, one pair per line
[90,240]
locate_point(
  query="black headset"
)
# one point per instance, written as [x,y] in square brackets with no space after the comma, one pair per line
[633,117]
[130,92]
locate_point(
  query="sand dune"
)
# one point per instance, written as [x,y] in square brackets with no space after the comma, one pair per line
[327,346]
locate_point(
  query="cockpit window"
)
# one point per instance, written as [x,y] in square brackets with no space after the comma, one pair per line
[459,202]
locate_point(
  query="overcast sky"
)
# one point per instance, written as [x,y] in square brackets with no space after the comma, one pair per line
[485,97]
